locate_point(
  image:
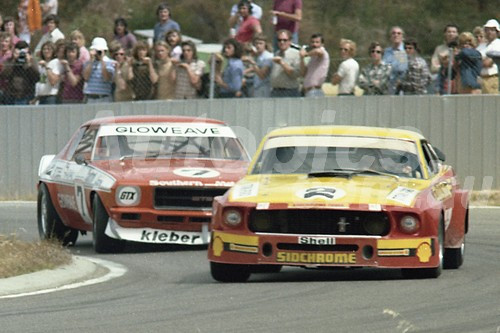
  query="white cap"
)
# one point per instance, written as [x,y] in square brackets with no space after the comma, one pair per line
[492,24]
[99,44]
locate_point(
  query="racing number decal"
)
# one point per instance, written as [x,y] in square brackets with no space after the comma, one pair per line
[81,204]
[197,172]
[323,192]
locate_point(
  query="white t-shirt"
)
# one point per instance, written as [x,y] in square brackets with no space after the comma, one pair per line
[43,87]
[494,45]
[348,71]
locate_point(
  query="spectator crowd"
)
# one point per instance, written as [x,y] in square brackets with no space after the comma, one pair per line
[60,68]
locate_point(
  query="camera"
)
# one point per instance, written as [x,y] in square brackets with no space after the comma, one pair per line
[307,47]
[22,57]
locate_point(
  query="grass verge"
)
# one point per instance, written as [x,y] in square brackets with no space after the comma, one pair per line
[18,257]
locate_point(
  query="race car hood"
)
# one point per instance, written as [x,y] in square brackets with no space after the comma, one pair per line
[174,172]
[335,191]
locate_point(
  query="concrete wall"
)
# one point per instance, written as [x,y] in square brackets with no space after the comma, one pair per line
[464,127]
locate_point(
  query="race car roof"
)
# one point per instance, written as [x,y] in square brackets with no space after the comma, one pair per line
[348,131]
[151,119]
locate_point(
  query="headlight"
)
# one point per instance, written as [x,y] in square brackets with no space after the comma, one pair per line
[378,227]
[409,224]
[261,221]
[128,195]
[232,217]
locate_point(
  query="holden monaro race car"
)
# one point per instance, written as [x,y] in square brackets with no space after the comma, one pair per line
[145,179]
[341,196]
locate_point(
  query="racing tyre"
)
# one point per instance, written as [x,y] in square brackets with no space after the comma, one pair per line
[454,258]
[266,268]
[229,272]
[429,273]
[50,225]
[102,243]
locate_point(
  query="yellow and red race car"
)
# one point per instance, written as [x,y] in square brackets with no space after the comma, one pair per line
[147,179]
[341,196]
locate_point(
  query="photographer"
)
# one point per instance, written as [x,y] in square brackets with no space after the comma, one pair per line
[317,68]
[20,74]
[98,73]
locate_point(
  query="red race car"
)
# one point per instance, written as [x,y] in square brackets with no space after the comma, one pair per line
[145,179]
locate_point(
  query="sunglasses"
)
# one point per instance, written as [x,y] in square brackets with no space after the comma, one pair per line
[283,40]
[376,51]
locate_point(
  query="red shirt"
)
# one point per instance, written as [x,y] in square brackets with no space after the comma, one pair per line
[246,30]
[287,6]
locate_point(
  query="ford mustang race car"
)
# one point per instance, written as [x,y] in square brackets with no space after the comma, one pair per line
[341,196]
[138,178]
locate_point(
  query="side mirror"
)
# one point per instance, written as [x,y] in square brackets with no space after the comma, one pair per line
[440,154]
[80,159]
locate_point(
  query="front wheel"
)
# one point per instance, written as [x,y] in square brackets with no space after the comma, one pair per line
[454,258]
[102,243]
[229,272]
[50,225]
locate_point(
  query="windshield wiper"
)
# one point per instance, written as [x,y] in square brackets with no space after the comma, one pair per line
[348,172]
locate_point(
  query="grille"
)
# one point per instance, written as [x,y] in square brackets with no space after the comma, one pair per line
[186,198]
[320,222]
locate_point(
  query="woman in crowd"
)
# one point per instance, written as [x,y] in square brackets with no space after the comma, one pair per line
[5,48]
[47,87]
[469,64]
[165,86]
[141,74]
[78,38]
[348,71]
[249,26]
[374,78]
[187,74]
[9,26]
[230,80]
[122,90]
[174,40]
[122,35]
[417,77]
[72,79]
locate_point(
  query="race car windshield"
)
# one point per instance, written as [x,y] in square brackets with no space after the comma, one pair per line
[120,147]
[328,159]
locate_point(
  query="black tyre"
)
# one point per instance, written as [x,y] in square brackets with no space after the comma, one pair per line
[454,258]
[50,225]
[266,268]
[229,272]
[102,243]
[429,273]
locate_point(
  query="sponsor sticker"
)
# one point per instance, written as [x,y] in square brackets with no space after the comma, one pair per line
[316,240]
[245,190]
[168,129]
[321,192]
[127,195]
[197,172]
[315,258]
[262,205]
[403,195]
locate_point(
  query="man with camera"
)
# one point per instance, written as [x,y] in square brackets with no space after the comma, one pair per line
[98,73]
[285,71]
[20,73]
[315,71]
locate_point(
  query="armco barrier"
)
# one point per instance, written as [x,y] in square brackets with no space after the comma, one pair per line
[464,127]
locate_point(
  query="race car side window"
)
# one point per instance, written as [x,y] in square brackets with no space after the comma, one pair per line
[74,143]
[431,158]
[86,143]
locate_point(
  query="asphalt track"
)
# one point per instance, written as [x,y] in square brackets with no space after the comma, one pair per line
[171,290]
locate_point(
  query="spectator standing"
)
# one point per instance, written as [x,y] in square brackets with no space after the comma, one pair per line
[249,26]
[5,48]
[122,35]
[78,38]
[285,71]
[98,72]
[374,77]
[141,75]
[230,80]
[29,14]
[47,87]
[396,57]
[165,86]
[287,15]
[72,77]
[122,91]
[49,7]
[317,68]
[235,18]
[489,73]
[187,74]
[347,74]
[450,40]
[53,34]
[417,77]
[9,26]
[20,74]
[174,40]
[444,79]
[469,63]
[261,67]
[165,22]
[481,40]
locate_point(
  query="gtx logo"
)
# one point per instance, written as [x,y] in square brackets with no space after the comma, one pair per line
[204,199]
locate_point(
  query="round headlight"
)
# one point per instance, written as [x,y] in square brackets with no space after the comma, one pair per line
[409,224]
[232,217]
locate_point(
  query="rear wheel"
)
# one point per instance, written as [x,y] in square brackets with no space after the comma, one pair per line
[229,272]
[50,225]
[429,273]
[102,243]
